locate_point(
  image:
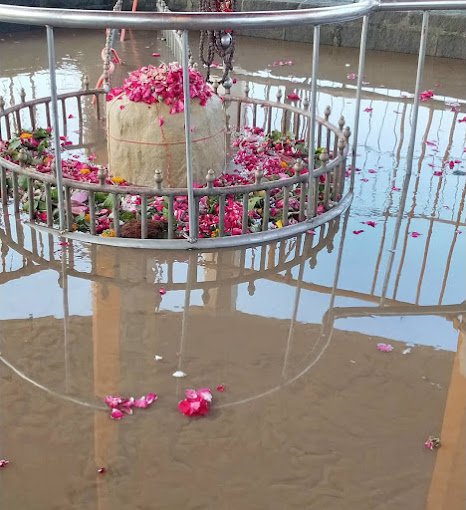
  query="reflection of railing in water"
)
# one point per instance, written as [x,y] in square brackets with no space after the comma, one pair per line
[41,255]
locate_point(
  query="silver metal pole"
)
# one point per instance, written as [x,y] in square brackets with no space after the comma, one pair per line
[357,112]
[187,136]
[417,90]
[312,127]
[55,127]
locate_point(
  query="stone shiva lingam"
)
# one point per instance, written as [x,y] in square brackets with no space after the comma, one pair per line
[145,127]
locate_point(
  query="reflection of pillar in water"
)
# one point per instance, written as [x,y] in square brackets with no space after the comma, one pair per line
[447,489]
[106,307]
[221,266]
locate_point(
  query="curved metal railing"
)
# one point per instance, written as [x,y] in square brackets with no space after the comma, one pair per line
[334,198]
[241,111]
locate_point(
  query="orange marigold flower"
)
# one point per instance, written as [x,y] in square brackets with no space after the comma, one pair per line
[117,180]
[283,164]
[25,135]
[87,217]
[84,171]
[108,233]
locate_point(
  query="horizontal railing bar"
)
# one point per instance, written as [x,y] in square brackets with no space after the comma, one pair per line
[146,191]
[249,239]
[43,100]
[74,18]
[421,6]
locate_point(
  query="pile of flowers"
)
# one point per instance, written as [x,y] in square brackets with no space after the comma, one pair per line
[196,402]
[162,84]
[119,406]
[274,154]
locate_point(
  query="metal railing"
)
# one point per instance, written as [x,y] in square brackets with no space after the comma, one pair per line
[334,197]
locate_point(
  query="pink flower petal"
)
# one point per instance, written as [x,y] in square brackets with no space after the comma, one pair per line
[370,223]
[113,401]
[155,54]
[372,171]
[145,401]
[4,463]
[384,347]
[351,76]
[365,179]
[162,291]
[221,388]
[357,232]
[415,234]
[205,394]
[161,121]
[101,470]
[293,97]
[426,95]
[191,394]
[462,120]
[394,188]
[127,405]
[438,173]
[71,116]
[311,232]
[116,414]
[368,109]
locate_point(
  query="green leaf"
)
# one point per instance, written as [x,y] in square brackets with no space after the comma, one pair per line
[252,202]
[126,216]
[23,182]
[108,202]
[100,197]
[14,144]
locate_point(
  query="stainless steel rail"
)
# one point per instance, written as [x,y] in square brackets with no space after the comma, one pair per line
[73,18]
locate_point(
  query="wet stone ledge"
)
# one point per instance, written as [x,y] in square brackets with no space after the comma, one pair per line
[398,32]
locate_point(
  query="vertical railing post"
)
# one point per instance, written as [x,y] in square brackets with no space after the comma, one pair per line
[187,136]
[417,90]
[312,127]
[55,127]
[361,67]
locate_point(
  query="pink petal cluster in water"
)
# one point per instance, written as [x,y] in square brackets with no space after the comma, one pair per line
[162,84]
[382,347]
[196,402]
[120,406]
[426,95]
[4,463]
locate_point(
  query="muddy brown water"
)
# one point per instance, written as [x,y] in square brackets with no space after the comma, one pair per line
[313,416]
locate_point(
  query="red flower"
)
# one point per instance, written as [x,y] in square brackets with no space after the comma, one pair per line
[196,402]
[426,95]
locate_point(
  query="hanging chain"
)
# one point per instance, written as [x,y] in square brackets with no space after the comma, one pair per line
[109,41]
[217,42]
